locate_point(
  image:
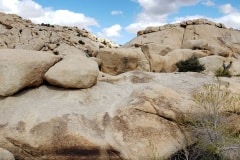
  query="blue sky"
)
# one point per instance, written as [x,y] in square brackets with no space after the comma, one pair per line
[119,20]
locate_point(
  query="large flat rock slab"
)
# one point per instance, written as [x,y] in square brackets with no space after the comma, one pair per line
[118,118]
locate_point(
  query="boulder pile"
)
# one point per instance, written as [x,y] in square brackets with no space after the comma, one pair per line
[67,94]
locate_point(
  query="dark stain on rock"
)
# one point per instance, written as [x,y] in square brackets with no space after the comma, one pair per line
[106,119]
[140,77]
[113,152]
[21,126]
[121,124]
[136,79]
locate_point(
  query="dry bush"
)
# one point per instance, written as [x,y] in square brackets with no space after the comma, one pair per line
[214,138]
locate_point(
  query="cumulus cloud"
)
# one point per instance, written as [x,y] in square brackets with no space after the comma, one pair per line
[230,20]
[157,7]
[156,12]
[9,6]
[116,12]
[65,17]
[111,32]
[181,19]
[227,9]
[143,21]
[208,3]
[35,12]
[230,17]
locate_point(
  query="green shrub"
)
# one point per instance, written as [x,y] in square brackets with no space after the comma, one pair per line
[192,64]
[220,72]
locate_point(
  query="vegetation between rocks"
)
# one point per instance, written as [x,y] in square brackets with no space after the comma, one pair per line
[191,64]
[220,72]
[216,137]
[223,72]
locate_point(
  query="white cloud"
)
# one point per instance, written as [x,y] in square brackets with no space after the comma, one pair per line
[181,19]
[230,17]
[208,3]
[159,7]
[35,12]
[65,17]
[116,12]
[230,20]
[9,6]
[155,12]
[227,9]
[111,32]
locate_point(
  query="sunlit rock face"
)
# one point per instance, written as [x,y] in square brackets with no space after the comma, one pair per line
[66,94]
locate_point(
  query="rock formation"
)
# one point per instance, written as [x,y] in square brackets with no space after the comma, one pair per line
[17,33]
[73,72]
[121,119]
[23,68]
[120,60]
[66,94]
[198,35]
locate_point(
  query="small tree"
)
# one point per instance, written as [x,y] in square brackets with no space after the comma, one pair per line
[192,64]
[212,128]
[214,137]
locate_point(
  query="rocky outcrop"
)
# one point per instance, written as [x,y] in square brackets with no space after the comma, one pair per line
[155,55]
[17,33]
[136,116]
[214,62]
[195,34]
[180,54]
[183,24]
[78,112]
[120,60]
[73,72]
[155,43]
[21,68]
[164,46]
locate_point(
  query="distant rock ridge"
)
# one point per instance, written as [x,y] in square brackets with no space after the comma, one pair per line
[18,33]
[183,24]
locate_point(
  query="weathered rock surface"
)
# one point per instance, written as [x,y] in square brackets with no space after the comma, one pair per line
[155,55]
[160,61]
[214,62]
[23,68]
[128,118]
[153,48]
[6,155]
[155,42]
[180,54]
[120,60]
[172,37]
[73,72]
[220,40]
[17,33]
[134,115]
[196,44]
